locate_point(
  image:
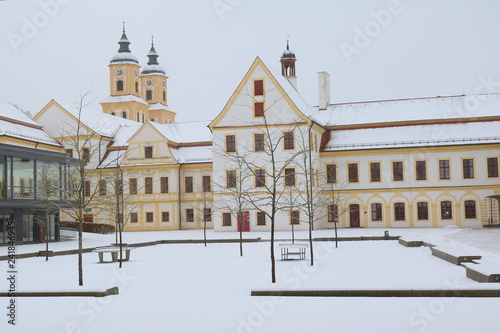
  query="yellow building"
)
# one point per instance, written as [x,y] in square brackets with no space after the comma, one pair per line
[423,162]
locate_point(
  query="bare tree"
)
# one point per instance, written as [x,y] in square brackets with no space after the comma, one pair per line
[118,204]
[205,207]
[78,197]
[233,188]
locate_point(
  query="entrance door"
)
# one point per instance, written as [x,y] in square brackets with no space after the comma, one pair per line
[244,221]
[354,215]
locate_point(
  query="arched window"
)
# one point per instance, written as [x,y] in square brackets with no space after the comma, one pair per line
[119,85]
[124,115]
[149,95]
[112,113]
[136,86]
[164,96]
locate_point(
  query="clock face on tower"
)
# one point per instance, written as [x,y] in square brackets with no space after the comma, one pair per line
[119,72]
[149,83]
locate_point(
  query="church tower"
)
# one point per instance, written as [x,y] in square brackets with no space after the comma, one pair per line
[124,70]
[288,66]
[154,89]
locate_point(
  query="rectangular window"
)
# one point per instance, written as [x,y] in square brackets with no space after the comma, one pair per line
[375,172]
[148,152]
[148,185]
[333,213]
[289,140]
[468,168]
[226,219]
[86,188]
[377,212]
[444,169]
[164,184]
[421,170]
[397,171]
[102,187]
[295,217]
[132,185]
[231,179]
[258,87]
[258,141]
[289,176]
[207,214]
[134,218]
[230,143]
[470,209]
[261,218]
[446,213]
[258,109]
[492,167]
[352,170]
[189,215]
[399,211]
[260,178]
[86,154]
[331,173]
[422,211]
[165,216]
[188,184]
[206,184]
[149,217]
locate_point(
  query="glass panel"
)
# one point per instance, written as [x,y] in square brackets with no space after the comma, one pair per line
[23,178]
[3,169]
[48,180]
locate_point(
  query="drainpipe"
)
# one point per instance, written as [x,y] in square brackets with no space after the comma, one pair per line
[179,197]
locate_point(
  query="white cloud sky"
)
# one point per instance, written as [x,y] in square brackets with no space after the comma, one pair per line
[425,47]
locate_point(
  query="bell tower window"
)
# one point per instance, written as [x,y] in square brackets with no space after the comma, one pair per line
[149,95]
[124,115]
[119,85]
[164,96]
[136,86]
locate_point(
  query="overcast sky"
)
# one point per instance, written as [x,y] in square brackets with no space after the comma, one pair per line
[373,49]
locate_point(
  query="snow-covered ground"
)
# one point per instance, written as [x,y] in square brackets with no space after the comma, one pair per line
[190,288]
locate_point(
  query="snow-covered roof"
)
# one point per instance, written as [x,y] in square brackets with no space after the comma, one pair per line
[124,98]
[187,132]
[19,125]
[201,154]
[159,106]
[153,69]
[124,133]
[8,110]
[113,159]
[415,109]
[102,123]
[415,136]
[292,93]
[124,57]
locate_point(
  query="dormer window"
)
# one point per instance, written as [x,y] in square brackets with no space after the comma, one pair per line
[148,152]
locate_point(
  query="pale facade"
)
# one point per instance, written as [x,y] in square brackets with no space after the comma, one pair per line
[425,162]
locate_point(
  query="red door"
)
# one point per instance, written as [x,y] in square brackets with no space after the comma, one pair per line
[354,215]
[244,221]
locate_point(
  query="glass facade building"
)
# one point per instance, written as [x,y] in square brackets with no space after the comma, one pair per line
[33,183]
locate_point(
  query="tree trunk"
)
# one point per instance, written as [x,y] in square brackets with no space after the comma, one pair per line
[80,253]
[311,242]
[205,230]
[336,239]
[273,264]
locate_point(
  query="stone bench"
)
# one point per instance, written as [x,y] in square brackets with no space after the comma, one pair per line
[114,253]
[452,256]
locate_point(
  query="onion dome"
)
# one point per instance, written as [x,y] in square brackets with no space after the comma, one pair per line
[124,54]
[288,54]
[153,66]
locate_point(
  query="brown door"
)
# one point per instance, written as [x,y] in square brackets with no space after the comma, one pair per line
[354,215]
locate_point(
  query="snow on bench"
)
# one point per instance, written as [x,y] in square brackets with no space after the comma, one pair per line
[114,253]
[293,249]
[453,255]
[483,272]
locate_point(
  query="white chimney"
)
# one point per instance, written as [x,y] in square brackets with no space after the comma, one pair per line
[324,90]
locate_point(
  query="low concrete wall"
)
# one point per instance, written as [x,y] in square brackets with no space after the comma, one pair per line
[381,293]
[108,292]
